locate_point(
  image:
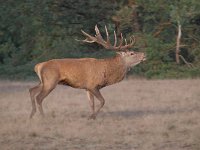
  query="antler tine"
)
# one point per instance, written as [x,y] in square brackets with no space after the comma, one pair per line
[121,41]
[97,30]
[107,34]
[134,39]
[106,44]
[125,42]
[115,39]
[98,34]
[89,38]
[99,38]
[132,42]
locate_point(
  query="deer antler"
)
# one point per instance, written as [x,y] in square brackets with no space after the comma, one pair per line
[106,44]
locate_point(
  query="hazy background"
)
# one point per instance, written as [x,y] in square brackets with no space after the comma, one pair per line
[35,31]
[140,113]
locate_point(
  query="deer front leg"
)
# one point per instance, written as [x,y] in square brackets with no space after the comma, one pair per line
[98,95]
[92,105]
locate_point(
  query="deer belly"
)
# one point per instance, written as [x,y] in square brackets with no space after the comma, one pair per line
[75,83]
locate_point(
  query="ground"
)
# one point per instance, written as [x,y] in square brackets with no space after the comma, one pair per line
[138,115]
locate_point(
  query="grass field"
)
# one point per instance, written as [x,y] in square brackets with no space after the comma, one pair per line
[138,115]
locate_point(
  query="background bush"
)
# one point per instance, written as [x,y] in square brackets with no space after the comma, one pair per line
[35,31]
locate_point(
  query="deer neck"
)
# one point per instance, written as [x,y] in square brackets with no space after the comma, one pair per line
[115,70]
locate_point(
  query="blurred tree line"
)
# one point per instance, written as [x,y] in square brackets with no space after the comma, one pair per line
[32,31]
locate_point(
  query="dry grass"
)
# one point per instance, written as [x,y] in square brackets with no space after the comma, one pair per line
[138,115]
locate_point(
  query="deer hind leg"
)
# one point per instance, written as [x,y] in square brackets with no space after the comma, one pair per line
[46,89]
[100,98]
[33,91]
[91,101]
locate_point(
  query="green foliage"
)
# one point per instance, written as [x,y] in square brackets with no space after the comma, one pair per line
[158,24]
[35,31]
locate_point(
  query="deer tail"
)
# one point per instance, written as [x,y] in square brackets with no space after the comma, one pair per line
[38,70]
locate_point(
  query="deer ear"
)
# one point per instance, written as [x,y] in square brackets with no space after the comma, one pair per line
[121,53]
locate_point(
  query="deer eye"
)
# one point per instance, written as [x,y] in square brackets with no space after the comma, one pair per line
[132,53]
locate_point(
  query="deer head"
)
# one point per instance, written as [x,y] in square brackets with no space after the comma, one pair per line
[130,58]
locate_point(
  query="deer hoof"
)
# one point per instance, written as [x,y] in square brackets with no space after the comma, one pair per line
[93,116]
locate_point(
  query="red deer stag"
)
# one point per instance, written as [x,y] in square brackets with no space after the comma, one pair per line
[86,73]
